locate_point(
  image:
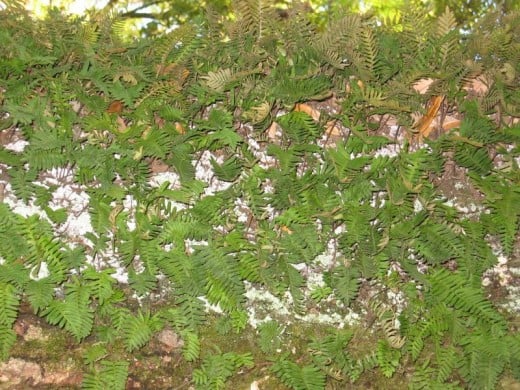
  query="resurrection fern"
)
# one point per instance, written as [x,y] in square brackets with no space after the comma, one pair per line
[299,378]
[191,349]
[502,198]
[215,369]
[73,313]
[110,374]
[138,329]
[9,309]
[270,336]
[331,354]
[345,282]
[256,153]
[452,289]
[387,358]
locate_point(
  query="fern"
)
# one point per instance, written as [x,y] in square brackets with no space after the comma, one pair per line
[502,200]
[191,348]
[331,355]
[9,306]
[138,329]
[485,360]
[82,98]
[112,375]
[452,289]
[229,170]
[40,293]
[299,378]
[7,340]
[388,358]
[223,284]
[345,281]
[299,127]
[74,312]
[270,336]
[216,369]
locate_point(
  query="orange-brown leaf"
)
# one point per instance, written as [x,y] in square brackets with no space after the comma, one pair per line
[116,107]
[424,127]
[303,107]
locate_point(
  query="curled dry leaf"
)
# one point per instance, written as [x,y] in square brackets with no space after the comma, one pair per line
[116,107]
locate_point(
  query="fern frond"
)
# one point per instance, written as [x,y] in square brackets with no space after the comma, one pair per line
[7,340]
[15,274]
[75,317]
[216,369]
[452,289]
[223,283]
[299,378]
[345,281]
[40,293]
[299,126]
[191,347]
[427,243]
[368,54]
[111,375]
[253,15]
[269,336]
[9,303]
[138,329]
[387,358]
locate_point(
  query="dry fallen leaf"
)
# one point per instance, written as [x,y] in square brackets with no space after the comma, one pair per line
[116,107]
[424,127]
[303,107]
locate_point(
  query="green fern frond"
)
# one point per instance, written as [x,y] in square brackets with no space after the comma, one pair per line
[452,289]
[299,378]
[253,15]
[7,340]
[387,358]
[427,243]
[216,369]
[191,309]
[229,170]
[299,126]
[332,349]
[345,281]
[111,375]
[223,284]
[72,315]
[15,274]
[299,89]
[40,293]
[506,217]
[138,329]
[269,336]
[476,159]
[486,356]
[368,54]
[414,167]
[9,303]
[502,198]
[447,360]
[43,247]
[340,37]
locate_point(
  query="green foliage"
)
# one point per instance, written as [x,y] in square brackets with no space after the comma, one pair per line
[9,310]
[269,336]
[299,378]
[138,330]
[261,188]
[110,375]
[215,369]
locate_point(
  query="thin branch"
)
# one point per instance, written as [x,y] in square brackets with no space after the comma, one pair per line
[144,5]
[137,15]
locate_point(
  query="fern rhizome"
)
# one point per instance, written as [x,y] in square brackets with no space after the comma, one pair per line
[290,152]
